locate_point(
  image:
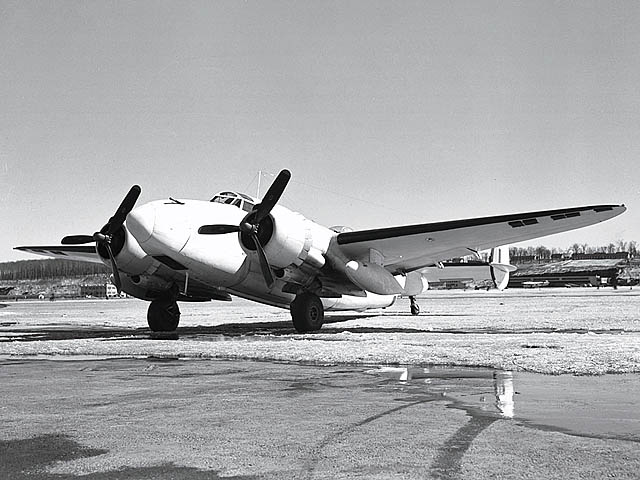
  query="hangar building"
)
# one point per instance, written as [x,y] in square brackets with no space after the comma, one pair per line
[581,270]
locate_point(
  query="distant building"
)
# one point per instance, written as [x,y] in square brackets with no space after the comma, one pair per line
[594,272]
[98,291]
[601,256]
[105,290]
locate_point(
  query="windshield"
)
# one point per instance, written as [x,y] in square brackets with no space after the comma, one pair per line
[239,200]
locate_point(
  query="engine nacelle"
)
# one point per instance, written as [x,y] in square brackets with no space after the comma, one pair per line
[295,240]
[372,277]
[130,257]
[413,283]
[366,302]
[145,287]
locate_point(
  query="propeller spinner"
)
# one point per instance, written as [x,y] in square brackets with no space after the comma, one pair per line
[104,237]
[250,224]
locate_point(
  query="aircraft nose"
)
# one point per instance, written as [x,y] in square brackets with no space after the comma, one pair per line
[141,221]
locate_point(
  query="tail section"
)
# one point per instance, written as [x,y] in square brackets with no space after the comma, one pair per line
[500,267]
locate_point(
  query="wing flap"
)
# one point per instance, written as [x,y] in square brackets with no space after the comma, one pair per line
[411,247]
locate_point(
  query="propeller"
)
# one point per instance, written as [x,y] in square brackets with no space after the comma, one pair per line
[250,224]
[104,237]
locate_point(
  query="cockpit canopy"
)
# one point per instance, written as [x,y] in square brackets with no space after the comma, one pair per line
[239,200]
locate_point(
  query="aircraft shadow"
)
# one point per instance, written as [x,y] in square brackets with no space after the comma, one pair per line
[271,329]
[279,328]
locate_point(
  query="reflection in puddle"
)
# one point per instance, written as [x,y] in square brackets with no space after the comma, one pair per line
[605,406]
[501,402]
[503,387]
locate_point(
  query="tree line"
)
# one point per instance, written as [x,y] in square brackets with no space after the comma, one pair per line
[49,269]
[543,252]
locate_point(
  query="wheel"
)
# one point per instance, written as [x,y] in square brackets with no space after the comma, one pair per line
[307,312]
[163,315]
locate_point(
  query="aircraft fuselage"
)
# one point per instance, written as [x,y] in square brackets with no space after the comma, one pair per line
[167,232]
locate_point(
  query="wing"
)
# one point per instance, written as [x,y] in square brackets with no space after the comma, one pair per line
[412,247]
[84,253]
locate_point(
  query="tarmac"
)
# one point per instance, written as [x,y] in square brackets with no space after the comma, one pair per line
[208,419]
[88,394]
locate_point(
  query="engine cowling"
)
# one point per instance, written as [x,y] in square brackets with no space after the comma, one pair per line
[131,259]
[293,240]
[134,263]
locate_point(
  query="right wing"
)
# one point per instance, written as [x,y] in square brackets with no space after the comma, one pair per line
[83,253]
[413,247]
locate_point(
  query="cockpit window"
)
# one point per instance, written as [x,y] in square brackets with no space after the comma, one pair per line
[236,199]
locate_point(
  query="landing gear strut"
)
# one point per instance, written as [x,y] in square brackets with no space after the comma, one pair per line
[307,312]
[415,308]
[163,314]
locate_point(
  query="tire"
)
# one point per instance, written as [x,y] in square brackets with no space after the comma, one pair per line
[163,315]
[307,312]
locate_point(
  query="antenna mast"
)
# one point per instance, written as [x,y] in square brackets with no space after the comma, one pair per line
[259,177]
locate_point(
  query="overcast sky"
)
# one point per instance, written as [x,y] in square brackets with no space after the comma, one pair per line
[386,113]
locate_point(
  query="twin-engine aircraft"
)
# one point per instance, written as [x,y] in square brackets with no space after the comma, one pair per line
[190,250]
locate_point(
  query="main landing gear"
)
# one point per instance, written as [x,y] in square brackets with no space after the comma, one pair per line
[307,312]
[163,314]
[415,308]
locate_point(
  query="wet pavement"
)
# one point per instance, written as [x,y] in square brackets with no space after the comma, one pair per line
[172,418]
[601,407]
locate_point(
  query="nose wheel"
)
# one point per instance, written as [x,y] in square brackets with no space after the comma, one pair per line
[307,312]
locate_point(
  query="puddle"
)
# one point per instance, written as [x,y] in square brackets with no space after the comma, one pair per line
[605,406]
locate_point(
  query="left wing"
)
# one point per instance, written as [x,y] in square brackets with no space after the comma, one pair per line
[83,253]
[412,247]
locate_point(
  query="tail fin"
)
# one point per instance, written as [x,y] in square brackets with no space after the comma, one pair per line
[500,266]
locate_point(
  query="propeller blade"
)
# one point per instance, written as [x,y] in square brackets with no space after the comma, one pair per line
[218,229]
[125,207]
[272,196]
[114,268]
[77,239]
[264,263]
